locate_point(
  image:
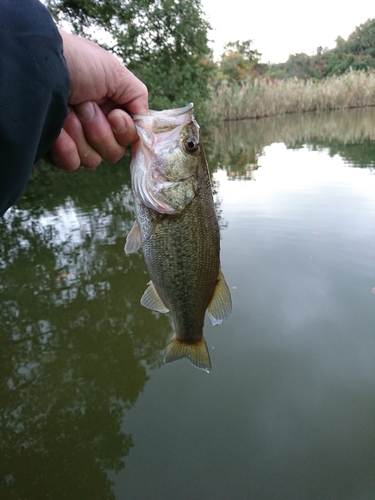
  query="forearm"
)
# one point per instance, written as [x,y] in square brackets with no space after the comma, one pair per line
[34,85]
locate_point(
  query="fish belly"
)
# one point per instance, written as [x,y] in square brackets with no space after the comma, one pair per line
[182,257]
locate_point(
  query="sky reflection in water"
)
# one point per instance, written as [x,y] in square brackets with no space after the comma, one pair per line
[288,410]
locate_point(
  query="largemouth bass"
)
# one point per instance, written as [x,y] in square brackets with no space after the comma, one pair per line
[177,228]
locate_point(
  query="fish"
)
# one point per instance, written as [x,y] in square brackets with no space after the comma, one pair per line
[177,228]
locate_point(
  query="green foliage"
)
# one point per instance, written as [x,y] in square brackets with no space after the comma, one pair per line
[163,42]
[362,40]
[239,61]
[355,53]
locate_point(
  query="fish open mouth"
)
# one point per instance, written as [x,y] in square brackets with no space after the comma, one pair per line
[166,113]
[173,112]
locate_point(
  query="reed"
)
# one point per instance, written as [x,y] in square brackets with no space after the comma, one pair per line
[263,97]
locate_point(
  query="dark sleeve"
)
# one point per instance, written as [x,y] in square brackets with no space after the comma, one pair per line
[34,86]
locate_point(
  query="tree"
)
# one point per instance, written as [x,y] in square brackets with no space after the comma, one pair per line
[164,42]
[356,53]
[239,60]
[362,40]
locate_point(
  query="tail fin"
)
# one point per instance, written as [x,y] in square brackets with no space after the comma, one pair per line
[196,353]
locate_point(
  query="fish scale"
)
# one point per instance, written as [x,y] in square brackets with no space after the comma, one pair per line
[177,228]
[175,255]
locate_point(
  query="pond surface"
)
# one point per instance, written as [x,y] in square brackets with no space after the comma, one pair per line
[89,411]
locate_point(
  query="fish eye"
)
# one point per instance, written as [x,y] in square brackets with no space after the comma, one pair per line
[191,144]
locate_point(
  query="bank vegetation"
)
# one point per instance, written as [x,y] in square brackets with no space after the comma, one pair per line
[166,44]
[261,97]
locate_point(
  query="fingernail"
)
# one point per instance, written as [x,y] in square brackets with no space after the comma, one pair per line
[86,111]
[118,122]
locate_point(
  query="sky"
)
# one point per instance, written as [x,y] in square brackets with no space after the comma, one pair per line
[279,28]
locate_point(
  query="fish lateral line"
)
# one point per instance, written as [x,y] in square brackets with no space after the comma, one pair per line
[172,191]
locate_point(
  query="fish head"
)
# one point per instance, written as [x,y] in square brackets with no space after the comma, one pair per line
[166,159]
[177,152]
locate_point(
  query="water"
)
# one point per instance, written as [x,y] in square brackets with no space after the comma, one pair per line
[88,410]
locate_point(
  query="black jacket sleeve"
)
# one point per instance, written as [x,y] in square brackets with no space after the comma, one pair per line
[34,86]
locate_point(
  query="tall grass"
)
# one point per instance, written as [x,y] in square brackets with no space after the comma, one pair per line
[277,97]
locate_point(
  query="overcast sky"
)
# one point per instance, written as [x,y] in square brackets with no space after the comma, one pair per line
[283,27]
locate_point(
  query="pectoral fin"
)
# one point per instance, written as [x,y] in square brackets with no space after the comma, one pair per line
[196,353]
[221,304]
[133,240]
[151,300]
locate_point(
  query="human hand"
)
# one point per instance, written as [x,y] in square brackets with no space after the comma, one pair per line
[101,88]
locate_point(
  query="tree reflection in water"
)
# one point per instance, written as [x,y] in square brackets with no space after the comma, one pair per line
[76,346]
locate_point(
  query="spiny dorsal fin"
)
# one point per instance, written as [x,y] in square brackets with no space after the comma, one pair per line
[196,353]
[151,299]
[134,239]
[221,303]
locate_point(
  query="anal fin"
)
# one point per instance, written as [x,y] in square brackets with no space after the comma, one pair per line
[221,304]
[151,299]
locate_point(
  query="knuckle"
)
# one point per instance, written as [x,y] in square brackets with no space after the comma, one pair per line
[114,155]
[91,160]
[65,156]
[71,163]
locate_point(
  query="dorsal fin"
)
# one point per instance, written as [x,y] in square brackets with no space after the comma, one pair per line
[221,303]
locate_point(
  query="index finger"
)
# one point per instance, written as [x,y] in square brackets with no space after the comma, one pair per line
[138,106]
[131,94]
